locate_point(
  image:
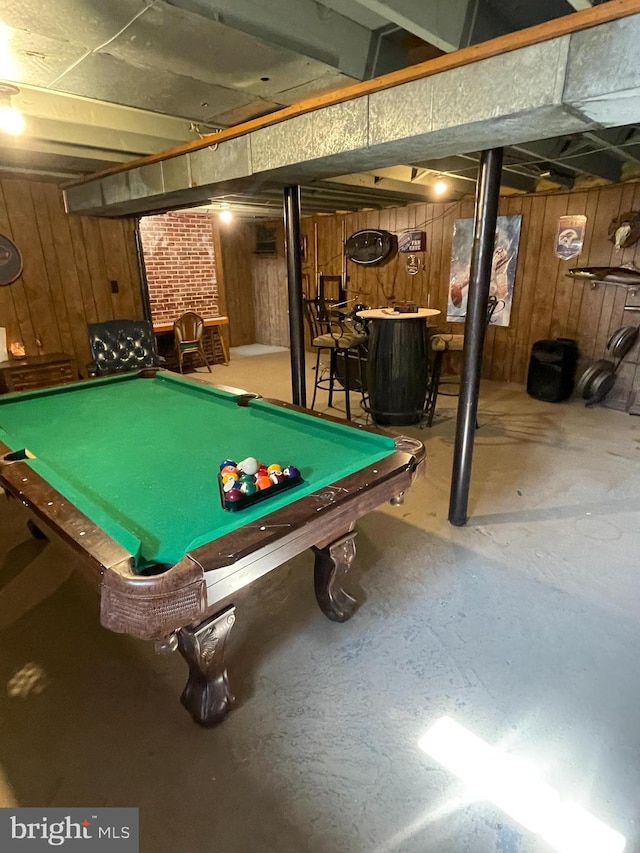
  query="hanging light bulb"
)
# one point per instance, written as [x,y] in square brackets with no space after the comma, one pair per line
[225,216]
[440,187]
[11,119]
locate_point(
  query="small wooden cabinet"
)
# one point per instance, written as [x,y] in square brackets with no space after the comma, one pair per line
[36,371]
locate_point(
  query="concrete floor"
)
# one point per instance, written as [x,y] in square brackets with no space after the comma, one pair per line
[523,626]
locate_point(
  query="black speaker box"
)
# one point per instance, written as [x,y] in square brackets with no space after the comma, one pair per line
[552,369]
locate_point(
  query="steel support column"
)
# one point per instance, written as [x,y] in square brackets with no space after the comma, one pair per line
[487,196]
[293,245]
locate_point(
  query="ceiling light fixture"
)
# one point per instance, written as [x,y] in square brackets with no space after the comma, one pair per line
[11,119]
[440,187]
[225,216]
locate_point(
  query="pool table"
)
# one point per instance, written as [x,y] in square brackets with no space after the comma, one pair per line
[124,469]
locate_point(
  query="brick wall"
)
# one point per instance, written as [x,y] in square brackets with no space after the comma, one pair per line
[180,265]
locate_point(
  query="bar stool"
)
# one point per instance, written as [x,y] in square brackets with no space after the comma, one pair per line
[329,332]
[440,344]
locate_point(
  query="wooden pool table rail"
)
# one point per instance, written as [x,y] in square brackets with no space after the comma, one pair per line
[189,606]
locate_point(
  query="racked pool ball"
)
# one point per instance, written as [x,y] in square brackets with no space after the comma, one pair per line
[228,463]
[291,472]
[230,475]
[277,477]
[248,466]
[263,483]
[232,495]
[272,469]
[229,485]
[248,487]
[246,478]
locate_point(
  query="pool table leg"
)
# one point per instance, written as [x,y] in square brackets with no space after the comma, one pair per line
[207,696]
[331,565]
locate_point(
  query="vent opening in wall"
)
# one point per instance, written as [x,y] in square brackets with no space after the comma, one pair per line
[265,240]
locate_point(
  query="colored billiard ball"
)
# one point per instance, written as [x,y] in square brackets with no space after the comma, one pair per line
[263,483]
[229,484]
[230,475]
[233,495]
[227,464]
[248,487]
[246,478]
[273,468]
[229,469]
[277,477]
[248,466]
[291,472]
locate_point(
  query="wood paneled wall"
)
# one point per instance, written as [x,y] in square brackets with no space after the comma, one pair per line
[233,247]
[68,265]
[269,281]
[545,302]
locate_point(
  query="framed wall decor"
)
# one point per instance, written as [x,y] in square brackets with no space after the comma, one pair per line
[410,242]
[503,270]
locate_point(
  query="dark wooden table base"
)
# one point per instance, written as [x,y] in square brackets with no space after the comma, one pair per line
[207,695]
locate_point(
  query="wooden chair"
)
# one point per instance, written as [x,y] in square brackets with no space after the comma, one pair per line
[188,331]
[441,343]
[330,332]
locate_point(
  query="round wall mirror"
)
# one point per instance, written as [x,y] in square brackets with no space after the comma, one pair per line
[370,247]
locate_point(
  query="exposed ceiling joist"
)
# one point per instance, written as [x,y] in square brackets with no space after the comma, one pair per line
[88,155]
[438,22]
[310,29]
[550,152]
[405,192]
[580,4]
[464,167]
[71,118]
[618,151]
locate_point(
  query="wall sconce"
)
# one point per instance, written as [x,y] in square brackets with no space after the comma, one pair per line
[11,119]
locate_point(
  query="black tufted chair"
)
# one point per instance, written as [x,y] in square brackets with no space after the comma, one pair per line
[121,345]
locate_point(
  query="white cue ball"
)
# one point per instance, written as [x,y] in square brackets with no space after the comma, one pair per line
[248,466]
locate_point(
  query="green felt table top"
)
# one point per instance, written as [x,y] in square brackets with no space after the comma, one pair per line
[140,457]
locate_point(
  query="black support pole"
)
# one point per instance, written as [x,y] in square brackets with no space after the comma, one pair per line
[294,277]
[487,195]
